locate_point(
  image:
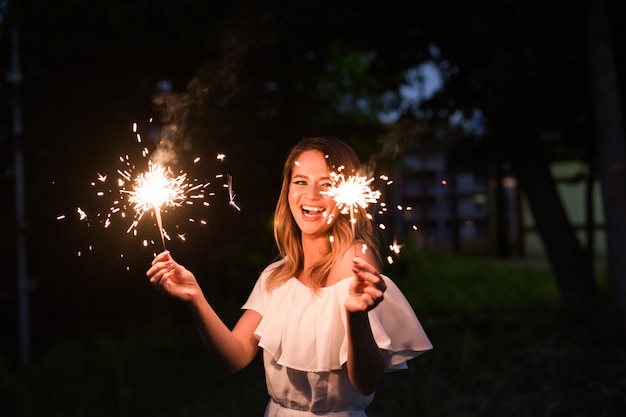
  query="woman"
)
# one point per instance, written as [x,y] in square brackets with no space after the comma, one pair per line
[328,322]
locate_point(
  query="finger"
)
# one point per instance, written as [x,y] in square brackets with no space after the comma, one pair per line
[163,256]
[157,275]
[163,280]
[152,271]
[361,265]
[375,293]
[166,265]
[370,275]
[370,302]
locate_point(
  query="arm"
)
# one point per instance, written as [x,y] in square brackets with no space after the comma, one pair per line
[235,349]
[366,364]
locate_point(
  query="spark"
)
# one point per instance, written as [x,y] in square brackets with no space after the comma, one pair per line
[395,247]
[231,194]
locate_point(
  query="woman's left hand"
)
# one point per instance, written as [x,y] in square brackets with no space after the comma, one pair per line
[366,289]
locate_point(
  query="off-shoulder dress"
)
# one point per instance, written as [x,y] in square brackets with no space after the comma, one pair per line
[303,337]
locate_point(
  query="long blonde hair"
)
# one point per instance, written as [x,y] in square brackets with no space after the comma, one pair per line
[288,235]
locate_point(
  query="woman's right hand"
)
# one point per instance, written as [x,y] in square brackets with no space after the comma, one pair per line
[173,279]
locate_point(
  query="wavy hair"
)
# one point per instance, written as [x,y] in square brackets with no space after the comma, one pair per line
[287,234]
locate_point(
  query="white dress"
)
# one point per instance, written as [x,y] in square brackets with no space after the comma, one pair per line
[305,346]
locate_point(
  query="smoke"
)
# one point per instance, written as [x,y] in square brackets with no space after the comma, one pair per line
[216,80]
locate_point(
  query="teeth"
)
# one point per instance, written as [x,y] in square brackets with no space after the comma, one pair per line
[315,209]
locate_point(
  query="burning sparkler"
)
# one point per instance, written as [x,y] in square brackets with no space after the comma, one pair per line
[137,192]
[351,193]
[155,189]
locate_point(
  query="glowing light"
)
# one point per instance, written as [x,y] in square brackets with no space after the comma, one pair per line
[81,213]
[351,194]
[395,247]
[156,189]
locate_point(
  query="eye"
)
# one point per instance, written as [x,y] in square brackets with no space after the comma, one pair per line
[299,182]
[326,185]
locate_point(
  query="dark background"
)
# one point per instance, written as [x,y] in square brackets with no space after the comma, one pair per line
[248,79]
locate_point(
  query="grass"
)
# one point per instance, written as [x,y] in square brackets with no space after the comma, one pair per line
[503,347]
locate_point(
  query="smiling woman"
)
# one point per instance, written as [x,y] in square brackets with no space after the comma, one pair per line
[307,225]
[329,323]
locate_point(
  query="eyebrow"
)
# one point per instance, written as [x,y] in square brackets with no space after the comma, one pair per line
[307,177]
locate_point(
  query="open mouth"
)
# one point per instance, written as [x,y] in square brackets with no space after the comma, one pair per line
[312,211]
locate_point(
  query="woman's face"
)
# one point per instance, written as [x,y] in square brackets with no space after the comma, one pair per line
[310,206]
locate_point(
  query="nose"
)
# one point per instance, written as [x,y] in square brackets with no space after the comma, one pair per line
[313,191]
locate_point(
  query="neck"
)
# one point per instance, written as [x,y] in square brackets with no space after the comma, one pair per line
[313,249]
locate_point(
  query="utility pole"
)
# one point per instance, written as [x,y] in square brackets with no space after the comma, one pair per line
[14,78]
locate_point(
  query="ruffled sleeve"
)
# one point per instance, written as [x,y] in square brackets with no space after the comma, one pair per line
[258,298]
[306,331]
[396,328]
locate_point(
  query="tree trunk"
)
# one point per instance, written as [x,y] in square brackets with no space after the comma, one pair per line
[610,148]
[570,261]
[502,236]
[590,212]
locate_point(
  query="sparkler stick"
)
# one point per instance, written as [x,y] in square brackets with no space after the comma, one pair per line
[351,193]
[157,213]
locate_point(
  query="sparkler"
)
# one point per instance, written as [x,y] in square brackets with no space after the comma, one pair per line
[351,193]
[136,191]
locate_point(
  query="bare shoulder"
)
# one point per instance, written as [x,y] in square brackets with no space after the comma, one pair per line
[343,266]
